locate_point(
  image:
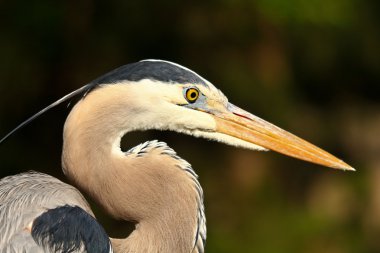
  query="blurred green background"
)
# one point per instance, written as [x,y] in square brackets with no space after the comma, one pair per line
[311,67]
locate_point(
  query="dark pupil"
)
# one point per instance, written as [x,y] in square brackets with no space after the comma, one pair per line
[193,94]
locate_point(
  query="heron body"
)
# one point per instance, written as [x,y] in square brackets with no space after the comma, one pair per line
[149,184]
[39,213]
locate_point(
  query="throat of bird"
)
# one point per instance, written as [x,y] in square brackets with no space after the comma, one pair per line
[149,185]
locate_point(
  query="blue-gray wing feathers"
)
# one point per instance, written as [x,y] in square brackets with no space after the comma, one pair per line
[39,213]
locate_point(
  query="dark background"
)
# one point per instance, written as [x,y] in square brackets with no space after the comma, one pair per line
[311,67]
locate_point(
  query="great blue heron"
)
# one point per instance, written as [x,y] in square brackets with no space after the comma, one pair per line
[148,184]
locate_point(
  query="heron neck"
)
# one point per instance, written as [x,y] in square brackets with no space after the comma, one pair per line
[149,185]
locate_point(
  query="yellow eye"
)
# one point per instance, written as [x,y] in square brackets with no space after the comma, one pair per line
[192,95]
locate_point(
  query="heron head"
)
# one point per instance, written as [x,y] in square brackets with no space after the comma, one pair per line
[166,96]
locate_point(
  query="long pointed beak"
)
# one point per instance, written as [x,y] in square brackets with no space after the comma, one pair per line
[245,126]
